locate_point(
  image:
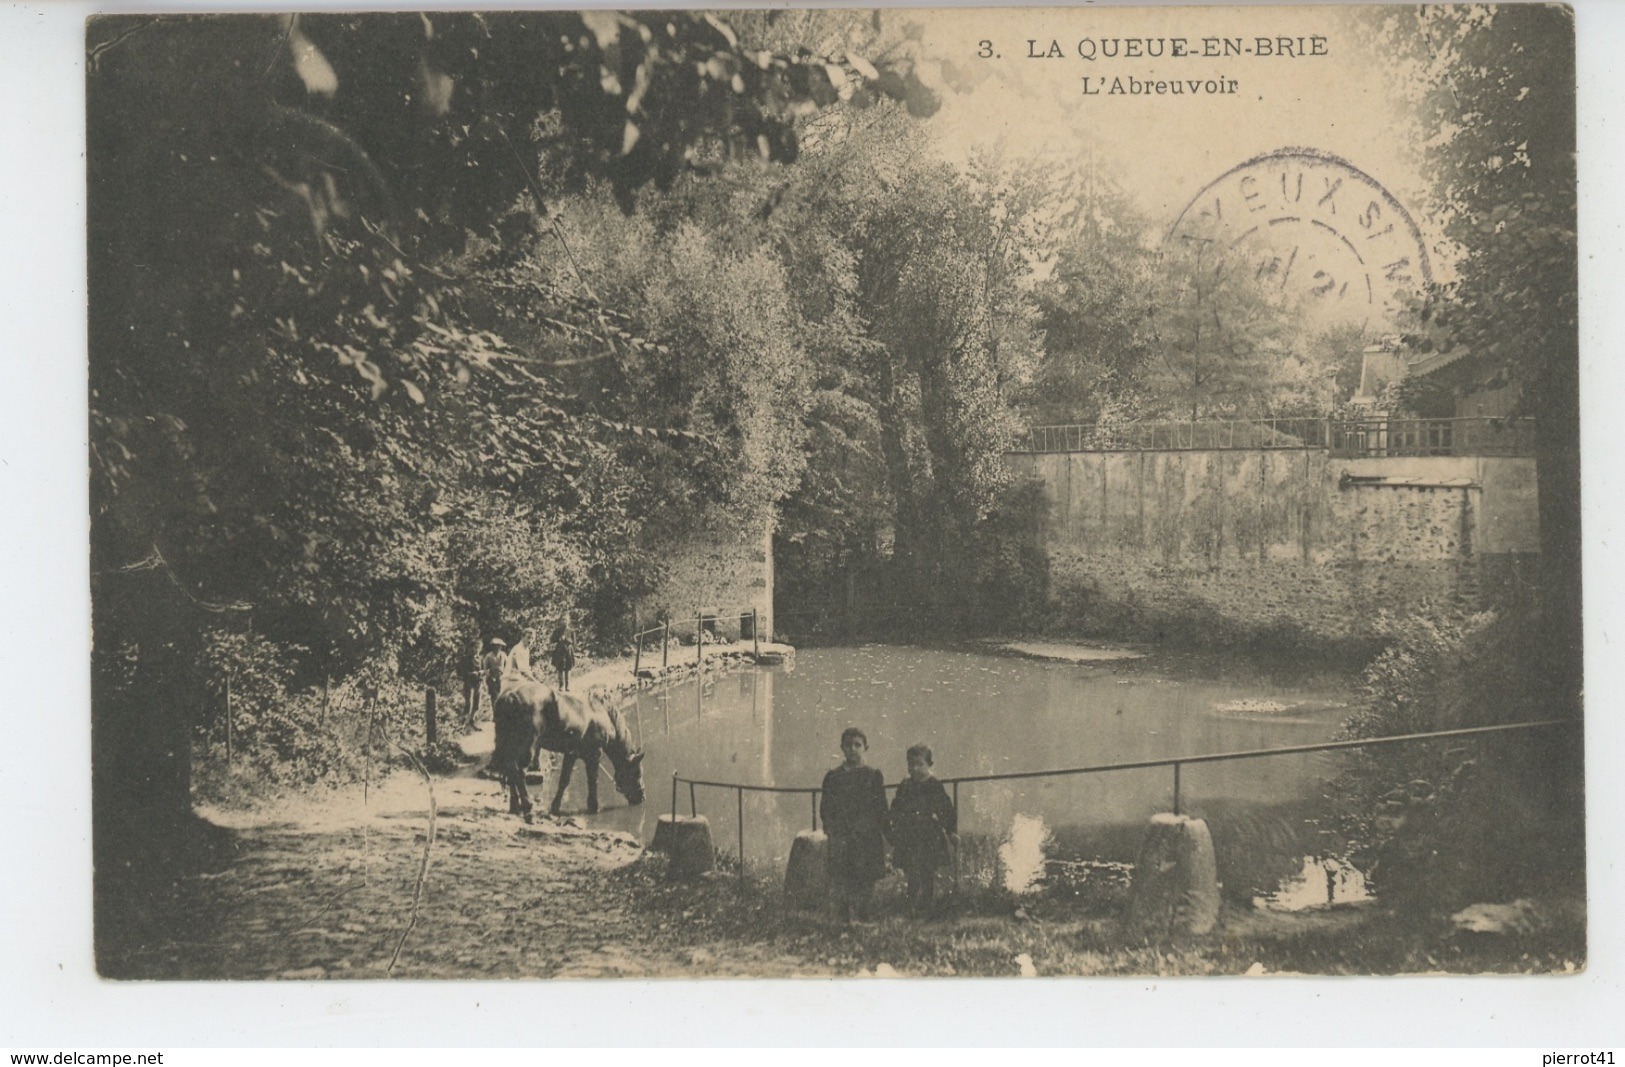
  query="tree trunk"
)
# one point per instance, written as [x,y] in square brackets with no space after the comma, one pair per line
[145,836]
[1557,465]
[893,418]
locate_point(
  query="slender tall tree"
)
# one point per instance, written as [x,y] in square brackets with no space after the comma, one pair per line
[1493,90]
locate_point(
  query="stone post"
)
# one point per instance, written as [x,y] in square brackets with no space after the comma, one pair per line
[687,840]
[1176,887]
[806,876]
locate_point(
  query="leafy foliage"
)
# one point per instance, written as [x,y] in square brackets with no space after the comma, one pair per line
[1494,92]
[319,416]
[842,339]
[1330,368]
[1442,823]
[1133,331]
[1493,88]
[1222,338]
[940,281]
[1095,306]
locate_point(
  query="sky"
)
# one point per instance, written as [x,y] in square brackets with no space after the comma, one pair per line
[1059,84]
[1166,148]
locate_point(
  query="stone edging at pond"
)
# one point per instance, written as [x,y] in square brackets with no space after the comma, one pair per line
[614,678]
[729,656]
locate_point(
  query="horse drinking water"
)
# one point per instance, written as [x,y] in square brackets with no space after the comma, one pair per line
[532,717]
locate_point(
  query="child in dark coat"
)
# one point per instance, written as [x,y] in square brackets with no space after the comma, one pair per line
[853,808]
[564,657]
[923,826]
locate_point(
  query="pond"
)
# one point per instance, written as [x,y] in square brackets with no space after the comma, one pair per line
[984,712]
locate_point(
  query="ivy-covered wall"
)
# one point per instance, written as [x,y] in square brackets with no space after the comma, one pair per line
[1273,538]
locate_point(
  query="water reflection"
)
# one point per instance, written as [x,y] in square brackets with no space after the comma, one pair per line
[986,714]
[1023,855]
[1322,882]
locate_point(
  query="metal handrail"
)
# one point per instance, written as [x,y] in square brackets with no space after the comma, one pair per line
[1176,762]
[752,788]
[1325,746]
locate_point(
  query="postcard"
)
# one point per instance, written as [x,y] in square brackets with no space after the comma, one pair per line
[1018,492]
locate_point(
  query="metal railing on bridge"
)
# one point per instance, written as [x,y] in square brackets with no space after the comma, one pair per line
[1344,438]
[1433,437]
[1174,762]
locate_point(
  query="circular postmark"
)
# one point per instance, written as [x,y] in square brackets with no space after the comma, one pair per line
[1313,224]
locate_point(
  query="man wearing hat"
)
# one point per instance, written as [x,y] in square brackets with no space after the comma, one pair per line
[491,665]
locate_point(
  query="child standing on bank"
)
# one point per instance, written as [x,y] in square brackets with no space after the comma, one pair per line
[853,808]
[564,657]
[923,827]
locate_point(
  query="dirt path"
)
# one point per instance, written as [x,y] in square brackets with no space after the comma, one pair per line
[332,884]
[323,887]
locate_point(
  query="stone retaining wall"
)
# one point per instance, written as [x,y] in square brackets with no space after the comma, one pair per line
[1281,538]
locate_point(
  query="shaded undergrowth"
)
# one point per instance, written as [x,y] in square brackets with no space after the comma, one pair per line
[1065,929]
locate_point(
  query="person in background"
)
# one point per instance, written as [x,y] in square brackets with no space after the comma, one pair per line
[853,809]
[923,827]
[491,664]
[470,672]
[564,657]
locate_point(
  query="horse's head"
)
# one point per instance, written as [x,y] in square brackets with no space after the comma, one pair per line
[627,761]
[629,778]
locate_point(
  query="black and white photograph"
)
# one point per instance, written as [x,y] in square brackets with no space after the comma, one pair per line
[834,493]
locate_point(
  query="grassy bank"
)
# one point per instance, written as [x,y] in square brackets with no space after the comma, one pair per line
[989,933]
